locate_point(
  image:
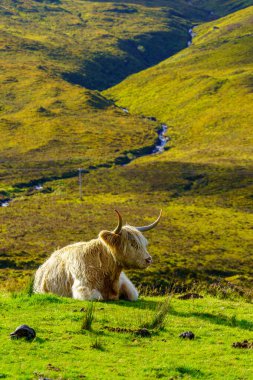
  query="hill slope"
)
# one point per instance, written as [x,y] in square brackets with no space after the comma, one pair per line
[203,93]
[47,48]
[94,44]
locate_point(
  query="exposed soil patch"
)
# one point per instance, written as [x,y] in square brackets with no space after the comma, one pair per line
[53,368]
[190,296]
[143,332]
[243,344]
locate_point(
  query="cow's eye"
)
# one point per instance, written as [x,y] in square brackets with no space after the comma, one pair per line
[133,242]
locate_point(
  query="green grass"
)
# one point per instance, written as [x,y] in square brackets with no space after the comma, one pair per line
[88,317]
[158,321]
[62,350]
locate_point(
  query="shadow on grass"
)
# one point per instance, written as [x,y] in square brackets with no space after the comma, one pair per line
[194,373]
[140,304]
[40,340]
[218,319]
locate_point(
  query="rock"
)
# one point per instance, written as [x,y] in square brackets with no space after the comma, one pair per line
[23,331]
[187,335]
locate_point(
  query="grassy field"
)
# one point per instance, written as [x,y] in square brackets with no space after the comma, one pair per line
[64,349]
[205,232]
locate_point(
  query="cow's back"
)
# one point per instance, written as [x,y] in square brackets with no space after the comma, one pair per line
[55,275]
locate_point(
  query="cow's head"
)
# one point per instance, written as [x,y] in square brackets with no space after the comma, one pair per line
[128,245]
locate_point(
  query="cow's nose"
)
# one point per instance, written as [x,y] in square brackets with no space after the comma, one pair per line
[149,260]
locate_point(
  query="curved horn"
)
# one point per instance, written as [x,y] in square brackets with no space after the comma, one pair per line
[150,226]
[119,226]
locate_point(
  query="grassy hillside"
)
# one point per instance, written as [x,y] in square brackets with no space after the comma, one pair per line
[205,232]
[49,124]
[46,47]
[203,93]
[221,8]
[94,44]
[63,350]
[50,128]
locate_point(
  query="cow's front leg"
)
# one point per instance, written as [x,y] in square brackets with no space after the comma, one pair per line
[82,292]
[127,290]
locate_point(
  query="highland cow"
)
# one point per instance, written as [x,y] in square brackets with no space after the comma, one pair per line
[93,270]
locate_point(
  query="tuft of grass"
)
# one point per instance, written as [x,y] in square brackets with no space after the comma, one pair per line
[88,317]
[29,287]
[159,318]
[97,344]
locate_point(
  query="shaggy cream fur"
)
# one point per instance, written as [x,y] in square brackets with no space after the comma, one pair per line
[93,270]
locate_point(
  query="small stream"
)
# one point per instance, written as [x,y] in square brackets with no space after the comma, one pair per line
[192,35]
[162,139]
[122,160]
[6,202]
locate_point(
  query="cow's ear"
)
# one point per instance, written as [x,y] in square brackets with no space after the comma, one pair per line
[110,238]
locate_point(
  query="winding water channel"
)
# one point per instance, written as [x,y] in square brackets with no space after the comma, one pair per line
[123,160]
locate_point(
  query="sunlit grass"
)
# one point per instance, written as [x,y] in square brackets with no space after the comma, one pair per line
[62,350]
